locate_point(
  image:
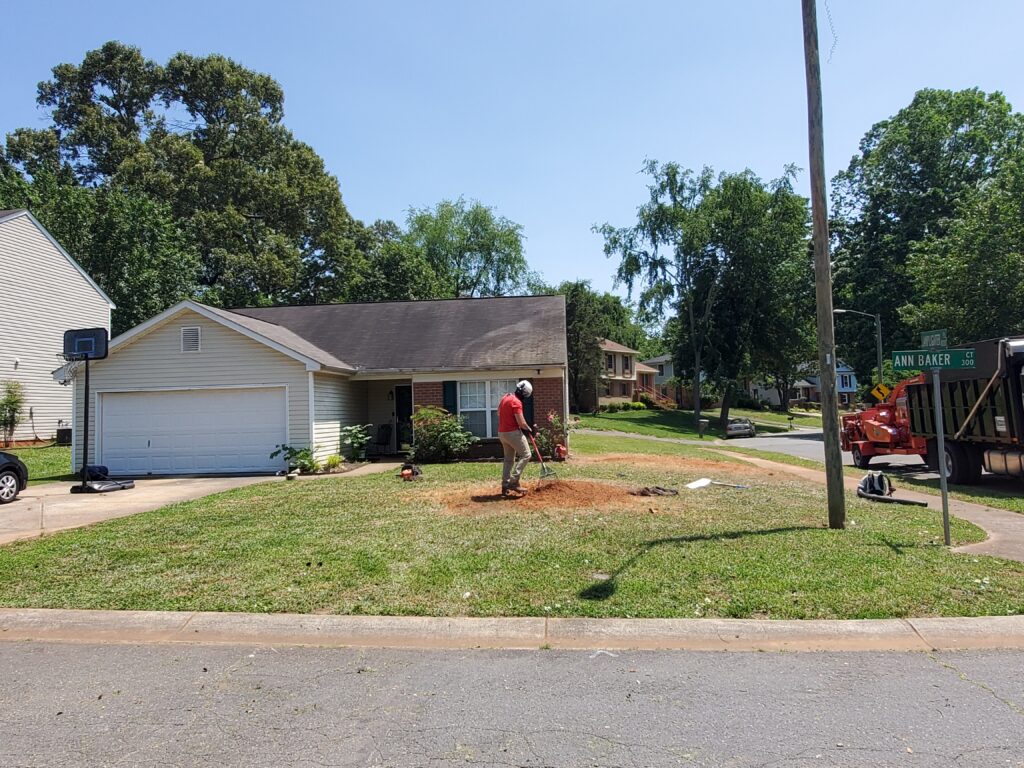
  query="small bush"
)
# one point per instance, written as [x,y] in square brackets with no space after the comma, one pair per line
[612,407]
[438,436]
[356,437]
[553,434]
[332,462]
[638,405]
[301,459]
[12,402]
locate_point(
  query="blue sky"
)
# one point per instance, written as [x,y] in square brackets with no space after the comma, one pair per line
[545,110]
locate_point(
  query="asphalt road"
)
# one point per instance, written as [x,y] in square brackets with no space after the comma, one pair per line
[83,705]
[810,444]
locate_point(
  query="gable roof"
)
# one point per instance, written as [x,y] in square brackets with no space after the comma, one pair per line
[446,334]
[641,368]
[659,359]
[613,346]
[275,337]
[10,215]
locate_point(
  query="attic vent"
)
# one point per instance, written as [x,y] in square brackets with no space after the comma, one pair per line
[190,339]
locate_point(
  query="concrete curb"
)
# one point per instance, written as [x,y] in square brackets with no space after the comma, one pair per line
[142,627]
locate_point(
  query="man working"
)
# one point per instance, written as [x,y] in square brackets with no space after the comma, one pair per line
[512,431]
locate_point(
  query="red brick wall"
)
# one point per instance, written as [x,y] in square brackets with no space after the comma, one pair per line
[548,395]
[428,393]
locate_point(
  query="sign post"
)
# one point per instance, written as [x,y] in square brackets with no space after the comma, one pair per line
[936,358]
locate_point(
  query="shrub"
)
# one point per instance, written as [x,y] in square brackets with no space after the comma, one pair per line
[356,437]
[438,436]
[553,434]
[332,462]
[613,407]
[638,405]
[301,459]
[12,402]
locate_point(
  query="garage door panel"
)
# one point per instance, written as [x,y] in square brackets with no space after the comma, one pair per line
[193,431]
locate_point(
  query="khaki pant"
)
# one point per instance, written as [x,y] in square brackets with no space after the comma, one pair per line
[517,454]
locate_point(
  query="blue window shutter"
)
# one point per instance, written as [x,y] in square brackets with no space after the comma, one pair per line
[451,396]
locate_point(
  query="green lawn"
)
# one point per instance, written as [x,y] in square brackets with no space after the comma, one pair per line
[46,465]
[376,545]
[682,423]
[1001,492]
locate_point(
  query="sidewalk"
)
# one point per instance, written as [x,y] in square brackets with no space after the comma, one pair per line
[144,627]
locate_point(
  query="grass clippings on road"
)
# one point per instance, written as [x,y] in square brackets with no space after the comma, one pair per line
[377,545]
[46,465]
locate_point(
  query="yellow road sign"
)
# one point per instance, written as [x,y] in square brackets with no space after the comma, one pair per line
[881,392]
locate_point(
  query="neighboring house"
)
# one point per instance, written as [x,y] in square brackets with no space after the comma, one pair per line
[617,379]
[203,390]
[43,292]
[808,388]
[663,367]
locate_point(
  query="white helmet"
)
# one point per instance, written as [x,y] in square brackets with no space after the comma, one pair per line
[524,388]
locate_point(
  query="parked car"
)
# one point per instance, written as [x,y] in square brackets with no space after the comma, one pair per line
[740,427]
[13,477]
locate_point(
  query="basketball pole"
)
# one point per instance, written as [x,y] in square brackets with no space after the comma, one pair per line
[85,429]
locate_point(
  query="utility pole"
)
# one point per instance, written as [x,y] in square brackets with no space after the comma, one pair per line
[823,274]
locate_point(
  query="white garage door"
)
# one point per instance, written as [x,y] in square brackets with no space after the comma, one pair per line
[192,432]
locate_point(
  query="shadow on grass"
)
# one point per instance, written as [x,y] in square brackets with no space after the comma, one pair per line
[602,590]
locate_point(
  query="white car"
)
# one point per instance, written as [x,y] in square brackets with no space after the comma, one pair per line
[740,427]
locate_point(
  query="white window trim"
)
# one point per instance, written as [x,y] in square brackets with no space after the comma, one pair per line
[487,397]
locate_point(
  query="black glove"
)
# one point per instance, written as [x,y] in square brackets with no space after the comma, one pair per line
[526,431]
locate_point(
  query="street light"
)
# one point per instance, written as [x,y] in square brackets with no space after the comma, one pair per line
[878,333]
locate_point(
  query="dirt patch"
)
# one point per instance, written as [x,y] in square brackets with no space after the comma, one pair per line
[681,463]
[569,495]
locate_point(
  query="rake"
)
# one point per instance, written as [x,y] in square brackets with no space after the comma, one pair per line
[545,470]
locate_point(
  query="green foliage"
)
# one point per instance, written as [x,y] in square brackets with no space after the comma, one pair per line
[301,459]
[727,255]
[333,462]
[246,212]
[924,204]
[553,434]
[438,436]
[471,250]
[356,437]
[12,402]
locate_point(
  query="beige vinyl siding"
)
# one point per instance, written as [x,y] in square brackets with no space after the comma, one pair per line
[226,358]
[41,295]
[337,402]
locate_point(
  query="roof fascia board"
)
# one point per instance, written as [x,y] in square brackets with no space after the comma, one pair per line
[61,250]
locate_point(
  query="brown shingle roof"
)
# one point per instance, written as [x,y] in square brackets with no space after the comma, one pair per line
[613,346]
[450,334]
[641,368]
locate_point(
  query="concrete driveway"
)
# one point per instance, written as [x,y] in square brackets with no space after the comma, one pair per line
[51,507]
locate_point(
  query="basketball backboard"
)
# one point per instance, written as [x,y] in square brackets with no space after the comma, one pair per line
[85,344]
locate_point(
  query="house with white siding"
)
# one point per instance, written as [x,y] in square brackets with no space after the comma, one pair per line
[200,390]
[43,292]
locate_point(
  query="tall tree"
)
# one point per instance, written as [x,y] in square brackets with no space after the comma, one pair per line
[970,278]
[905,186]
[471,250]
[203,138]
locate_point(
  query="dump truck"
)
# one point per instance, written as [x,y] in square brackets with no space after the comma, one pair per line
[982,413]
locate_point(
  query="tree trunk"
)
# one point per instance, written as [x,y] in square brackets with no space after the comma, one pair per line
[696,385]
[727,396]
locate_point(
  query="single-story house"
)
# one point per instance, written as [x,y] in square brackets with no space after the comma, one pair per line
[43,292]
[198,390]
[808,388]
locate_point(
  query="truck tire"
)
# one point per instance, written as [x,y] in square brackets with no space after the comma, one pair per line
[860,461]
[956,464]
[974,464]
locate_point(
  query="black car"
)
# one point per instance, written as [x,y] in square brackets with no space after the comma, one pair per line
[13,477]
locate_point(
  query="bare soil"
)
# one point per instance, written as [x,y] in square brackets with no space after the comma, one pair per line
[568,495]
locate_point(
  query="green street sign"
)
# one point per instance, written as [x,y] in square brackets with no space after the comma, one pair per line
[934,339]
[923,359]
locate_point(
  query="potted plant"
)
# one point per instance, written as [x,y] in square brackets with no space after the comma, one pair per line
[356,437]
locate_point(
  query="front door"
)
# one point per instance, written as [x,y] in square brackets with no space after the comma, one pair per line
[403,416]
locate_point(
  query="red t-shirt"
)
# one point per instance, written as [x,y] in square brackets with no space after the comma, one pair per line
[508,407]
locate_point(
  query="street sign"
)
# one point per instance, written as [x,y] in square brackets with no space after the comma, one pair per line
[880,392]
[921,359]
[934,339]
